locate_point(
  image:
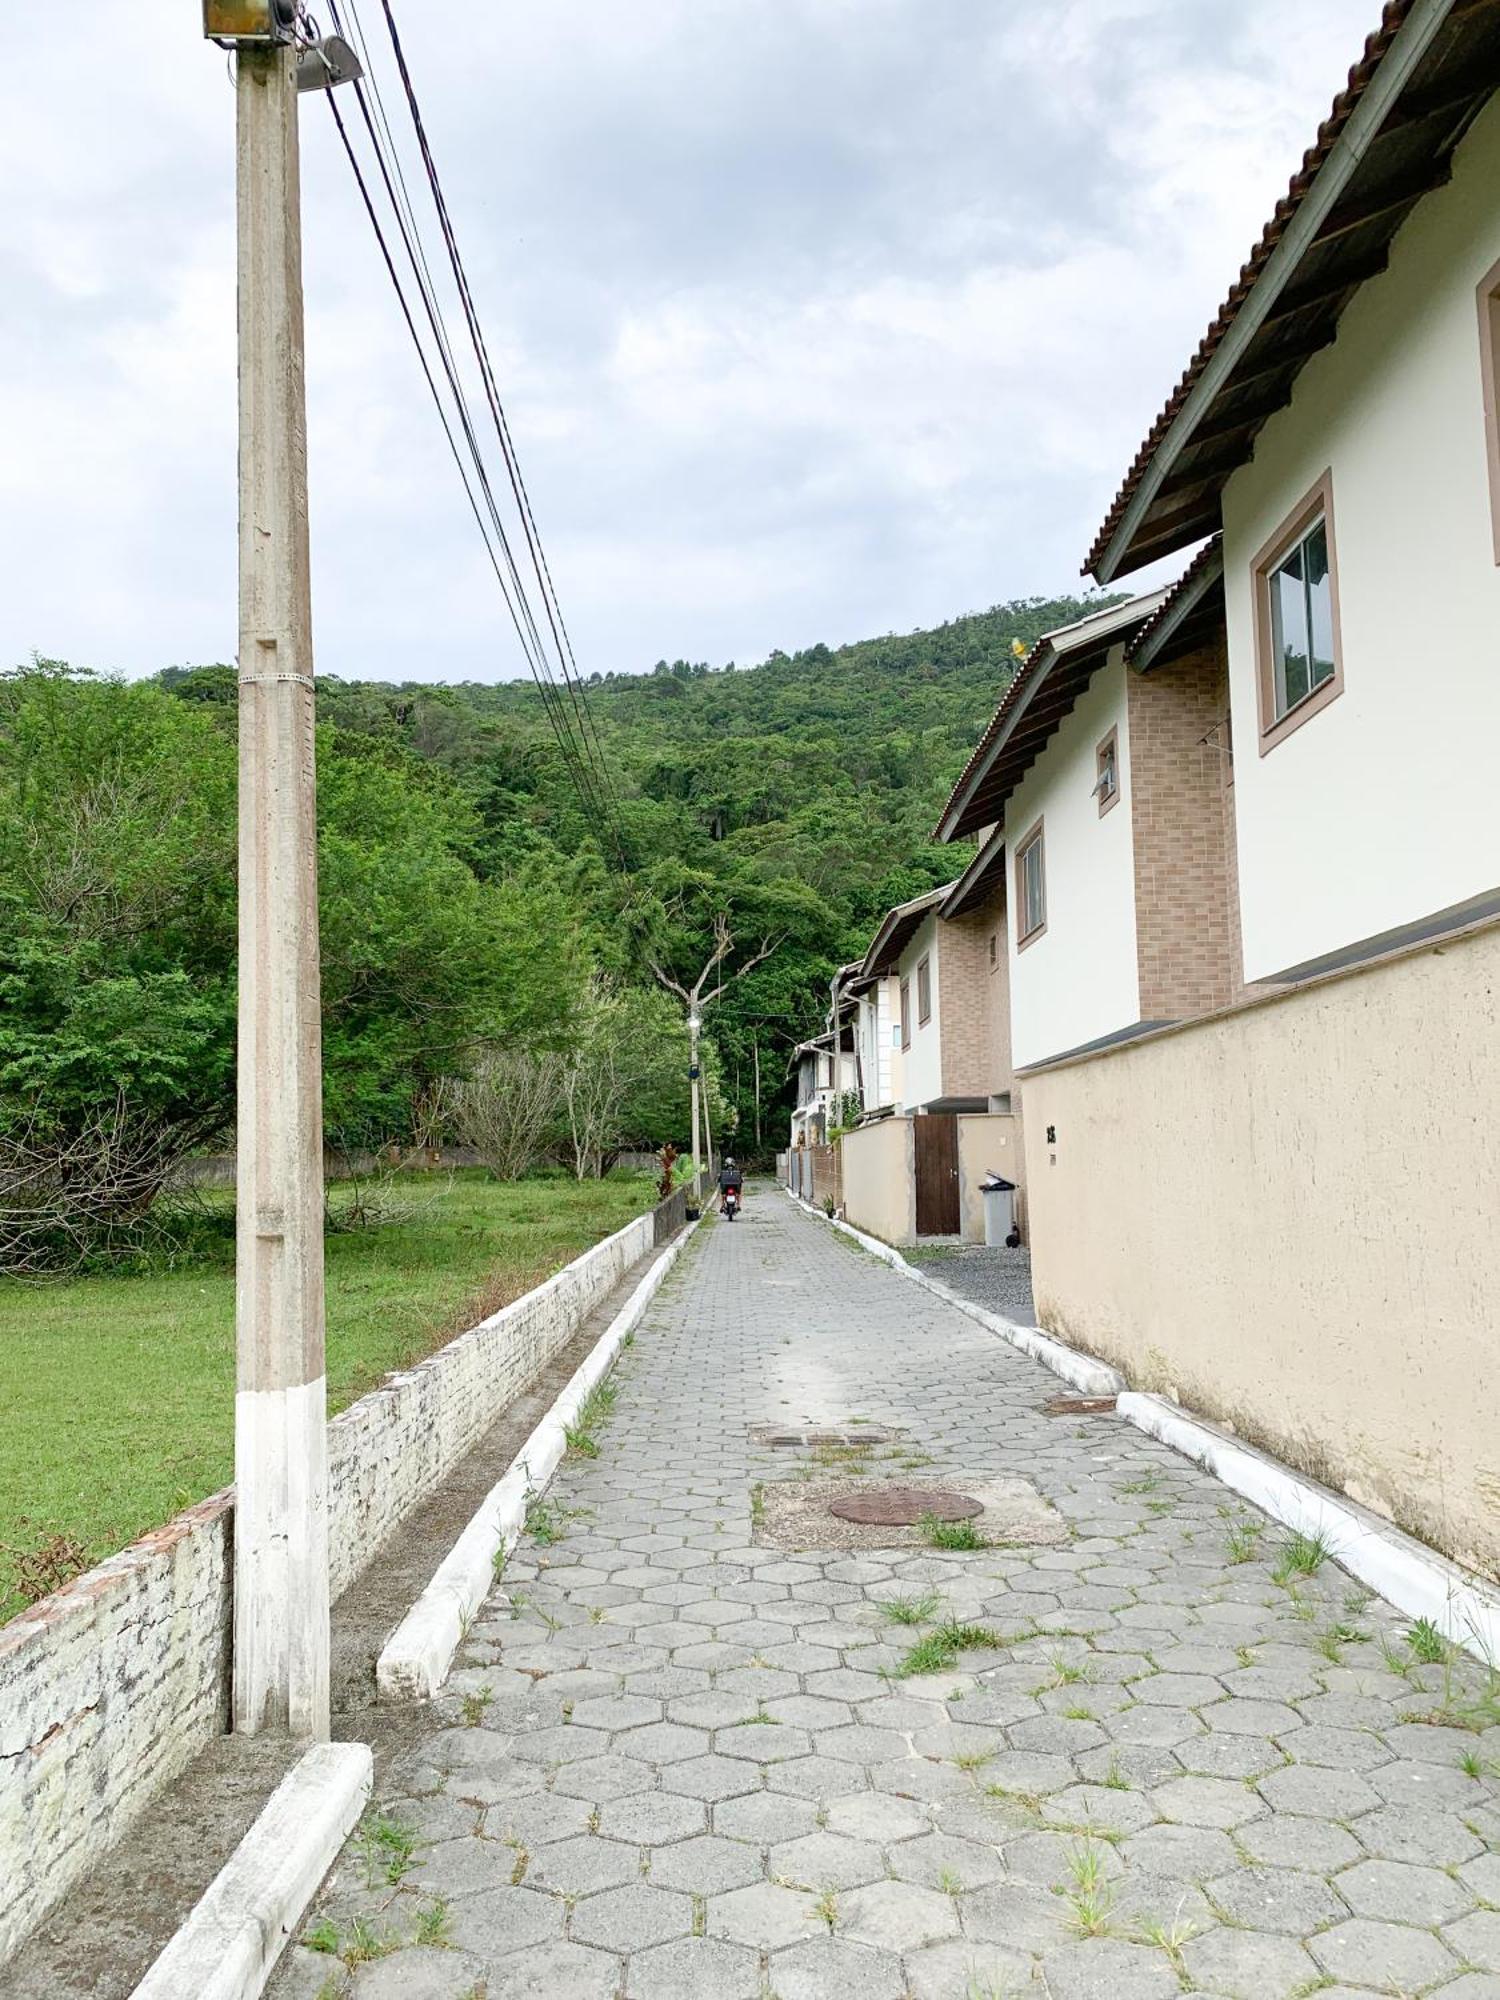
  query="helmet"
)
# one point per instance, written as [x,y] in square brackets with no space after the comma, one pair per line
[729,1159]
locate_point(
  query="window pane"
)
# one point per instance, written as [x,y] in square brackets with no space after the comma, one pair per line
[1319,602]
[1289,640]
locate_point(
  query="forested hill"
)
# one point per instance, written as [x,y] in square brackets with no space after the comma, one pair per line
[472,911]
[829,765]
[797,796]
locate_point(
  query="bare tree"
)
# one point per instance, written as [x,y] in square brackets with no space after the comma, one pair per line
[506,1105]
[595,1079]
[697,996]
[90,1190]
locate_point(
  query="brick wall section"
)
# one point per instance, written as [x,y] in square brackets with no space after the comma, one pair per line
[111,1686]
[963,1006]
[1187,957]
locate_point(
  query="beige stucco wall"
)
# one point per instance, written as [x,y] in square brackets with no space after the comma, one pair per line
[1286,1216]
[988,1144]
[879,1187]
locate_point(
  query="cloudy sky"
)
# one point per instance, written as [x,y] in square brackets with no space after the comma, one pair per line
[815,318]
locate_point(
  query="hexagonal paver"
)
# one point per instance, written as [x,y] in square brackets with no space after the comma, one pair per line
[1476,1939]
[1305,1788]
[1249,1965]
[1402,1892]
[535,1821]
[555,1972]
[900,1916]
[1177,1690]
[1108,1969]
[1018,1915]
[602,1778]
[579,1867]
[764,1916]
[964,1967]
[505,1919]
[1186,1853]
[422,1972]
[616,1711]
[652,1819]
[707,1866]
[763,1742]
[692,1967]
[662,1743]
[764,1817]
[877,1816]
[1119,1812]
[826,1861]
[462,1867]
[1276,1899]
[710,1778]
[631,1919]
[1287,1841]
[1215,1802]
[1364,1953]
[943,1861]
[1438,1839]
[832,1968]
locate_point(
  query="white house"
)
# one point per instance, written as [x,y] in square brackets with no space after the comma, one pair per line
[827,1083]
[1281,1211]
[1104,767]
[1339,425]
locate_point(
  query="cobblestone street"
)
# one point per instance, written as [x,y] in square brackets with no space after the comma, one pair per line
[1173,1752]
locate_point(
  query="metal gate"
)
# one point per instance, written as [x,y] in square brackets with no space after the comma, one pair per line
[935,1148]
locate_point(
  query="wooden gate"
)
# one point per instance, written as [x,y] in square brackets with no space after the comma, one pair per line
[935,1149]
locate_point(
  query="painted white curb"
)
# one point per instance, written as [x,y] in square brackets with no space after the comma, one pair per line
[1080,1371]
[229,1946]
[1399,1568]
[1404,1571]
[414,1661]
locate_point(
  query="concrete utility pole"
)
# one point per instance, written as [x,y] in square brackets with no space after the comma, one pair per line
[280,1411]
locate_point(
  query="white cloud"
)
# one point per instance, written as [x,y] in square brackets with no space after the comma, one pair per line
[813,320]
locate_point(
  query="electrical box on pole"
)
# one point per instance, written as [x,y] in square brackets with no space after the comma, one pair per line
[250,21]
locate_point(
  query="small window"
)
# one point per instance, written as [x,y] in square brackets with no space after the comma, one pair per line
[906,1013]
[1489,372]
[994,949]
[1031,888]
[1297,639]
[924,992]
[1107,772]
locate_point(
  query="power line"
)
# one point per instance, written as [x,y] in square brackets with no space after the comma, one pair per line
[549,695]
[571,720]
[497,409]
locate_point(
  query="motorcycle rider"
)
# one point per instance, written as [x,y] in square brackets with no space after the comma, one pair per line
[730,1177]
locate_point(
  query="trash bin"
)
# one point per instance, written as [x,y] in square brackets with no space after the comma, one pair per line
[999,1209]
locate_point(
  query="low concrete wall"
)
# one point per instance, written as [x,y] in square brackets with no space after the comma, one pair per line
[1283,1216]
[111,1686]
[879,1180]
[988,1142]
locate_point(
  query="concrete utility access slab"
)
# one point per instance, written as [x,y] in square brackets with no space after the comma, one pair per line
[680,1758]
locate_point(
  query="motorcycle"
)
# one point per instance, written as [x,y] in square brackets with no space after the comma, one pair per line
[731,1203]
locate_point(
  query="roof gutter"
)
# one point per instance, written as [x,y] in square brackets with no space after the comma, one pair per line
[1412,41]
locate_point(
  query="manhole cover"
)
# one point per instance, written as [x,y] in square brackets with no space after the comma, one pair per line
[901,1506]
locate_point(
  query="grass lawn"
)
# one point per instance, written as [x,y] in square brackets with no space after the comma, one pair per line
[117,1393]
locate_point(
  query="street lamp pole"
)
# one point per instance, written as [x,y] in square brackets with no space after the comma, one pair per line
[695,1023]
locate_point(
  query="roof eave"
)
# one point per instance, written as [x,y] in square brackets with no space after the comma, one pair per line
[1410,44]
